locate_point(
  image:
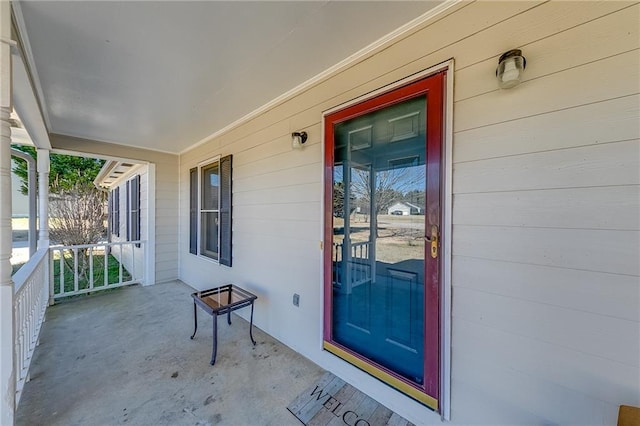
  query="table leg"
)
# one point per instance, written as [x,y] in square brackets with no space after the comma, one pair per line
[251,326]
[214,350]
[195,320]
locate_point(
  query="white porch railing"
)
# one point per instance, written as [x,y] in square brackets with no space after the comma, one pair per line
[29,305]
[357,268]
[94,267]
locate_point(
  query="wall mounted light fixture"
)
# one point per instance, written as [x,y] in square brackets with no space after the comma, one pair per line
[511,65]
[298,139]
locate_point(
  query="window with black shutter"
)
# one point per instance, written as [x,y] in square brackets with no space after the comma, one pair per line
[210,210]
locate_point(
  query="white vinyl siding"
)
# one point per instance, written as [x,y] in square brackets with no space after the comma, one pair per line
[546,211]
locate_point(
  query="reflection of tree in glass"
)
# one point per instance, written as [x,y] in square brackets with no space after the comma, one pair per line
[391,186]
[338,200]
[416,197]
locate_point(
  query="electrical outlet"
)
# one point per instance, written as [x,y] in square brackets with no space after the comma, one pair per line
[296,299]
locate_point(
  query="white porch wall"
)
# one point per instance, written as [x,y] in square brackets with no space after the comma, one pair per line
[546,307]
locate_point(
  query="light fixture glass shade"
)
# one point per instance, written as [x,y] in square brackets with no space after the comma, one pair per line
[510,68]
[298,139]
[296,142]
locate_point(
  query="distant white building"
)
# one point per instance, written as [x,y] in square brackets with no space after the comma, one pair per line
[402,208]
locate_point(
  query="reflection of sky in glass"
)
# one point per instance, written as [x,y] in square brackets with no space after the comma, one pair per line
[408,178]
[211,179]
[402,179]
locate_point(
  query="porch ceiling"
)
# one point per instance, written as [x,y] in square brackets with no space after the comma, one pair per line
[166,75]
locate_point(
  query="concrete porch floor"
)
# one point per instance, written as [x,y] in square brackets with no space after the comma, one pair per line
[125,357]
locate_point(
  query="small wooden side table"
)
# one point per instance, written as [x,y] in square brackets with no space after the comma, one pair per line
[219,301]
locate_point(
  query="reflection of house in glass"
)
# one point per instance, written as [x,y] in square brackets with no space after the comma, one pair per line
[403,208]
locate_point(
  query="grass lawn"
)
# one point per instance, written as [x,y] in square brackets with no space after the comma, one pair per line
[399,237]
[113,273]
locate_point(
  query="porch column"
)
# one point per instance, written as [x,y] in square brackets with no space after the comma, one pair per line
[43,212]
[7,373]
[43,198]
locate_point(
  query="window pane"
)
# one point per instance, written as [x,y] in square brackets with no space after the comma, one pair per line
[210,187]
[209,234]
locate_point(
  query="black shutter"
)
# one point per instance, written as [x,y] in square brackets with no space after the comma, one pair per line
[135,209]
[109,215]
[128,210]
[225,210]
[193,211]
[116,225]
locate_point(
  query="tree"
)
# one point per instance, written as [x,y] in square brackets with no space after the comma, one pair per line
[77,215]
[77,218]
[66,170]
[76,206]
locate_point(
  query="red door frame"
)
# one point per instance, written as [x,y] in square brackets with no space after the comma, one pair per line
[433,87]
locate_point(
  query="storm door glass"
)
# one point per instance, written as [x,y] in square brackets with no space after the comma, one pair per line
[378,252]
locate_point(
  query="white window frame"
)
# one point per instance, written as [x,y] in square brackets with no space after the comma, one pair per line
[199,235]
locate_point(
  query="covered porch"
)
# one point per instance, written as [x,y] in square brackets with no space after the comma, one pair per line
[125,357]
[527,229]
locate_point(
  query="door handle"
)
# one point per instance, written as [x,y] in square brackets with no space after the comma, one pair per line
[433,239]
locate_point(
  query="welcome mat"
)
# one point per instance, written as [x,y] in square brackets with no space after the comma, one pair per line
[332,401]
